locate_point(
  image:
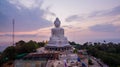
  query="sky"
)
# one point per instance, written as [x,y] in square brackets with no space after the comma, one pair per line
[83,20]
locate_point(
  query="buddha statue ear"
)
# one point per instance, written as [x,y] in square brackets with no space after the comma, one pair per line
[57,22]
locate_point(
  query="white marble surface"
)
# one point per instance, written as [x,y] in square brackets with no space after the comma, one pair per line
[57,36]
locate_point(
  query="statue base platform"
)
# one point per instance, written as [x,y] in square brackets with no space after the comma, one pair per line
[58,48]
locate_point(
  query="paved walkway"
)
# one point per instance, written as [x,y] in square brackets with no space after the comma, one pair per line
[95,64]
[55,63]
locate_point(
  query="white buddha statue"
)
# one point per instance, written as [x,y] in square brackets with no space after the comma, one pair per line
[57,35]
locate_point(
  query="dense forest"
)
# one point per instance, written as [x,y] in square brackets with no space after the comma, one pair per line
[108,52]
[19,50]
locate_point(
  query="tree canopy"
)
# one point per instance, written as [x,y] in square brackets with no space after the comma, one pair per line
[20,49]
[109,52]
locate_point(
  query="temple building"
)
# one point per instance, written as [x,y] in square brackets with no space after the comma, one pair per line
[58,42]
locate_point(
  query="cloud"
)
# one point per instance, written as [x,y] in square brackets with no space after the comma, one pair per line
[97,14]
[48,11]
[20,35]
[28,15]
[104,28]
[23,35]
[71,27]
[27,3]
[74,18]
[68,26]
[111,12]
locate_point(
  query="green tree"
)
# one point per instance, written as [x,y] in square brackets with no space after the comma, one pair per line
[41,44]
[10,52]
[75,51]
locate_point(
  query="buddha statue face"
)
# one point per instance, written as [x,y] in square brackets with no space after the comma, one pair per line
[57,23]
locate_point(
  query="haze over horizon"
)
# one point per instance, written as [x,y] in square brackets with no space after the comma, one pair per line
[83,20]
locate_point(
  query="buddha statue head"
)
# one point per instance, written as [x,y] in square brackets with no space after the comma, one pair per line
[57,22]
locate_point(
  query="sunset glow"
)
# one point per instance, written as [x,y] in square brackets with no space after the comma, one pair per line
[83,20]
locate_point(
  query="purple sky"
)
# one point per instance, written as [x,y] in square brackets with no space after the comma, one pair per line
[83,20]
